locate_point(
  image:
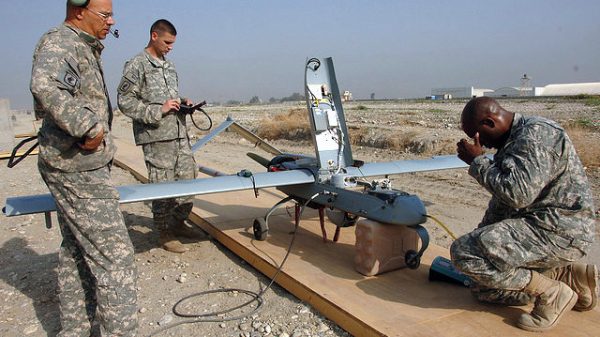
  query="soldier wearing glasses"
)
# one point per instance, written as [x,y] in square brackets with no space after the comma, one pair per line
[96,272]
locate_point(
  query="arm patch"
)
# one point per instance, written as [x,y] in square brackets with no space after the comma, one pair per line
[125,86]
[69,78]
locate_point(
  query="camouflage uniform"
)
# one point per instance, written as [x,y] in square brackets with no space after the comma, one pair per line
[96,272]
[541,214]
[146,84]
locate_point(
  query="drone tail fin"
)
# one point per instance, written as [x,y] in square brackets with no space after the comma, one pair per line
[259,159]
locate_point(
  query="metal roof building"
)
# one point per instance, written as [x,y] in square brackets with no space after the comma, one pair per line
[567,89]
[571,89]
[459,92]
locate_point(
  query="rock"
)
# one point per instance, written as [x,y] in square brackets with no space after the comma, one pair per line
[322,328]
[304,311]
[30,329]
[182,278]
[244,326]
[142,310]
[166,319]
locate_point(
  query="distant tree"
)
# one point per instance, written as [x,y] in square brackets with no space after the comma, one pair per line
[254,100]
[294,97]
[372,95]
[273,100]
[233,102]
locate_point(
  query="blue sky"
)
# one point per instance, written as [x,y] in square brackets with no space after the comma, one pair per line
[396,49]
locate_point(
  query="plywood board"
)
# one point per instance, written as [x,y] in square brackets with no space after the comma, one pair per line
[397,303]
[6,154]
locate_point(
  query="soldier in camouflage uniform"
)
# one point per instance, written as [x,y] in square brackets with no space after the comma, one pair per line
[540,220]
[96,271]
[149,94]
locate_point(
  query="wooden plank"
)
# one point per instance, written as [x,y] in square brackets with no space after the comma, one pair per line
[26,134]
[397,303]
[131,158]
[6,154]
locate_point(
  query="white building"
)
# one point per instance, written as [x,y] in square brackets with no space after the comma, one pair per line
[458,92]
[571,89]
[515,92]
[567,89]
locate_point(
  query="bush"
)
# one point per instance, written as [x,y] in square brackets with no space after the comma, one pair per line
[587,144]
[292,126]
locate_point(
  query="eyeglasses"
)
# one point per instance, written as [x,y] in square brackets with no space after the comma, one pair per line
[103,16]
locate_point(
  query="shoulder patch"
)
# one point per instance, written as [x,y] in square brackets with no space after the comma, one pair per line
[125,86]
[68,78]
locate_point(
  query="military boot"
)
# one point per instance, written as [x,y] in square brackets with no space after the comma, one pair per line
[554,299]
[583,279]
[182,229]
[169,243]
[502,297]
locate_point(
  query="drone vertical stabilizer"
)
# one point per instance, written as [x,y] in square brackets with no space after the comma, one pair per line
[328,125]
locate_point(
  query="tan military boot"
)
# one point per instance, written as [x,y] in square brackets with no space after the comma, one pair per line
[180,228]
[554,299]
[169,243]
[583,279]
[503,297]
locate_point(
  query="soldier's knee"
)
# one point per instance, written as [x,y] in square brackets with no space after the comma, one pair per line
[457,249]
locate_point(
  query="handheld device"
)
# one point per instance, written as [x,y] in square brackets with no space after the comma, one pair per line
[443,270]
[189,109]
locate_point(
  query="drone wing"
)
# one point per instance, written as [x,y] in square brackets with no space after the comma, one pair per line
[134,193]
[407,166]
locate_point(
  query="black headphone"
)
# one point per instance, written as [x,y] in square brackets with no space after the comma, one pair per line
[79,3]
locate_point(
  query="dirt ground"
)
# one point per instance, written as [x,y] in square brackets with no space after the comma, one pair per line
[28,251]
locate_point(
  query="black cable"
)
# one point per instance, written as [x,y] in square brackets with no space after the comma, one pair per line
[314,60]
[207,116]
[254,187]
[214,316]
[12,162]
[189,110]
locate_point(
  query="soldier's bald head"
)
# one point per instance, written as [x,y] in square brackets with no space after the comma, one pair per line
[479,107]
[485,116]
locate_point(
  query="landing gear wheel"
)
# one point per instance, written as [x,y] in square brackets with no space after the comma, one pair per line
[260,229]
[412,259]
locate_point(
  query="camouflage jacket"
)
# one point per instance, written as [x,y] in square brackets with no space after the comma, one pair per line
[146,84]
[538,176]
[70,95]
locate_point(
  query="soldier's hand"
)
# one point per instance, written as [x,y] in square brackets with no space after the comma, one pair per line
[91,144]
[170,106]
[467,151]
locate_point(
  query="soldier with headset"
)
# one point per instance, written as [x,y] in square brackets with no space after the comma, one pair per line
[96,271]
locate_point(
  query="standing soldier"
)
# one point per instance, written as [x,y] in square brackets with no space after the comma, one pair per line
[539,222]
[149,94]
[96,272]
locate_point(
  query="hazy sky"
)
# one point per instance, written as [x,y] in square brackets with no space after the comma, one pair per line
[396,49]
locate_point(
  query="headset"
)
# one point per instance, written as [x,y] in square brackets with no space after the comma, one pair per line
[84,3]
[79,3]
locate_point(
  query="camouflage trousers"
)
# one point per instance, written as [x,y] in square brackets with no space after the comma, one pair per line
[170,161]
[501,255]
[96,270]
